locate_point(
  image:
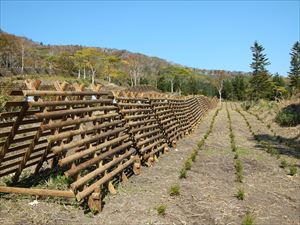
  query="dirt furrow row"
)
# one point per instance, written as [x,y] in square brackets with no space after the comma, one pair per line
[271,195]
[207,193]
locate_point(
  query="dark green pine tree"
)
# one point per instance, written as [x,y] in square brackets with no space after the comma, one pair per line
[260,84]
[294,73]
[260,61]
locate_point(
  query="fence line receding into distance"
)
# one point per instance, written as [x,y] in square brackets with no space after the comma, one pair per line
[96,137]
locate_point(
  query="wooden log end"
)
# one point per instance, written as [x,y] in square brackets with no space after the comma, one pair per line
[111,188]
[166,150]
[137,168]
[174,144]
[150,161]
[124,178]
[94,201]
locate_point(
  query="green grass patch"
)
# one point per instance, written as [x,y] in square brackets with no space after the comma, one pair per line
[248,219]
[212,152]
[293,170]
[236,156]
[161,209]
[243,151]
[238,166]
[59,182]
[174,190]
[193,155]
[283,164]
[188,164]
[182,173]
[200,144]
[240,195]
[233,147]
[239,170]
[239,177]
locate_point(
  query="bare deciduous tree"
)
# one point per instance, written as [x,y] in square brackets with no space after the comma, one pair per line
[217,81]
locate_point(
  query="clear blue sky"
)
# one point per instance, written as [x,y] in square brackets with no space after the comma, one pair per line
[202,34]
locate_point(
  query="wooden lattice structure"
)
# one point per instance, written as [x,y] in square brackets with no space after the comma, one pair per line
[181,111]
[166,118]
[96,137]
[23,145]
[142,125]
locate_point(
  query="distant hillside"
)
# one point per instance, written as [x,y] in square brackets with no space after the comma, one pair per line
[20,55]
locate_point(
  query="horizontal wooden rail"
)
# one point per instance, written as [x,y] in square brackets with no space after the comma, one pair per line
[104,179]
[39,192]
[64,93]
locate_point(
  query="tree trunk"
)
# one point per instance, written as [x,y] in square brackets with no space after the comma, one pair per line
[172,86]
[50,68]
[22,59]
[84,73]
[109,79]
[135,78]
[93,75]
[93,78]
[78,77]
[220,90]
[131,81]
[9,61]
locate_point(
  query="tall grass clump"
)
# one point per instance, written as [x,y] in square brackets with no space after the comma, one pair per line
[293,170]
[238,170]
[193,155]
[182,173]
[174,190]
[161,209]
[188,164]
[248,219]
[240,195]
[283,164]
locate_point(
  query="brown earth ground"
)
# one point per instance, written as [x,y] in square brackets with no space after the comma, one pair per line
[206,195]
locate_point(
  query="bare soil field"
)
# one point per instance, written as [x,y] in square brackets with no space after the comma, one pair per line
[206,195]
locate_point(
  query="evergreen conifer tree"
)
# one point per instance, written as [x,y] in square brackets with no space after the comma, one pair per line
[294,73]
[260,81]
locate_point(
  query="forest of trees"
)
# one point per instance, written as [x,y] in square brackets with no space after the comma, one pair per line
[262,84]
[23,56]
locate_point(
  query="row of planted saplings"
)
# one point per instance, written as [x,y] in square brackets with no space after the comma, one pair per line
[268,146]
[175,189]
[189,161]
[240,194]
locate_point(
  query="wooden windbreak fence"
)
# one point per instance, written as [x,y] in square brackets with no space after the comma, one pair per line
[98,137]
